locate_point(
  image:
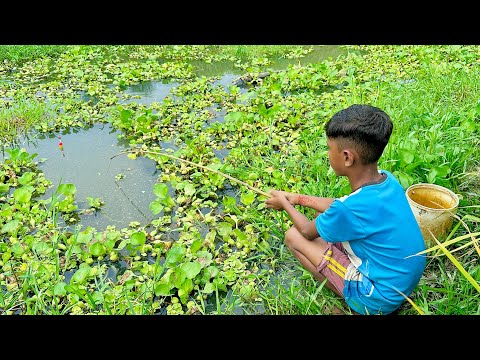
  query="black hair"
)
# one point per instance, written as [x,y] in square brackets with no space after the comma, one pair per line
[365,127]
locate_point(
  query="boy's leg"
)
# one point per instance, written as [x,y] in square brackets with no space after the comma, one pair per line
[322,259]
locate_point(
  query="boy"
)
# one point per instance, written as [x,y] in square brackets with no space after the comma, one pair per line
[362,242]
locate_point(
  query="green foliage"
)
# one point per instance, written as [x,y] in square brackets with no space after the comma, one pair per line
[17,117]
[21,53]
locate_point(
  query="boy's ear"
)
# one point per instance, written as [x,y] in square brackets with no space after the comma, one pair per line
[348,157]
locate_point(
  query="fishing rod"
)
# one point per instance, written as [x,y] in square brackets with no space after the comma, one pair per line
[140,151]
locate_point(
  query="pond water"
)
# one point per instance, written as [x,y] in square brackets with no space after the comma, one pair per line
[318,54]
[155,91]
[86,161]
[149,91]
[123,184]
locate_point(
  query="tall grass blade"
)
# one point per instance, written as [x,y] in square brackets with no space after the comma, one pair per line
[457,264]
[412,303]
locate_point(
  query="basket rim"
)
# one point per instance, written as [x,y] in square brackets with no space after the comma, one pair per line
[435,186]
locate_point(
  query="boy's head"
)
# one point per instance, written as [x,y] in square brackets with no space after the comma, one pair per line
[364,128]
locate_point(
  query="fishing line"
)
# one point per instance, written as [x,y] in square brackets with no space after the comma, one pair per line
[135,206]
[123,192]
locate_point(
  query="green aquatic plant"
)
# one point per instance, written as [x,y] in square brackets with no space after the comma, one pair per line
[19,116]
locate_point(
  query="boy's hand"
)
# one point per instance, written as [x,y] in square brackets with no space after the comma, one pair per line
[292,198]
[278,199]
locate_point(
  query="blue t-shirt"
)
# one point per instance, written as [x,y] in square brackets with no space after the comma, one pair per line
[380,233]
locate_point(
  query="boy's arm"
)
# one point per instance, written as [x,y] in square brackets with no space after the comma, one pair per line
[279,201]
[317,203]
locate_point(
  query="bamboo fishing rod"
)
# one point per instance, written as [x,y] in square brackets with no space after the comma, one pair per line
[198,165]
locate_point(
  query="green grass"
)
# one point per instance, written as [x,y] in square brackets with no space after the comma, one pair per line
[21,53]
[250,51]
[20,117]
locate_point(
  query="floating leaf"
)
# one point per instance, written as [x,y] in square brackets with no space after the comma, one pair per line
[80,275]
[204,258]
[22,195]
[84,237]
[240,235]
[189,189]
[178,277]
[138,238]
[196,245]
[185,289]
[162,288]
[160,190]
[4,188]
[155,207]
[125,115]
[234,116]
[17,249]
[40,247]
[7,211]
[97,249]
[210,237]
[97,297]
[247,198]
[10,227]
[191,269]
[113,235]
[67,189]
[174,255]
[122,244]
[59,289]
[6,256]
[230,275]
[169,201]
[224,228]
[229,202]
[26,178]
[109,244]
[209,288]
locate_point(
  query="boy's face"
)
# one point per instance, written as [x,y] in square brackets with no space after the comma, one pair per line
[335,157]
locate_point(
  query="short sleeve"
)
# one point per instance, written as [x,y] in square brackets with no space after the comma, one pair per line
[338,223]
